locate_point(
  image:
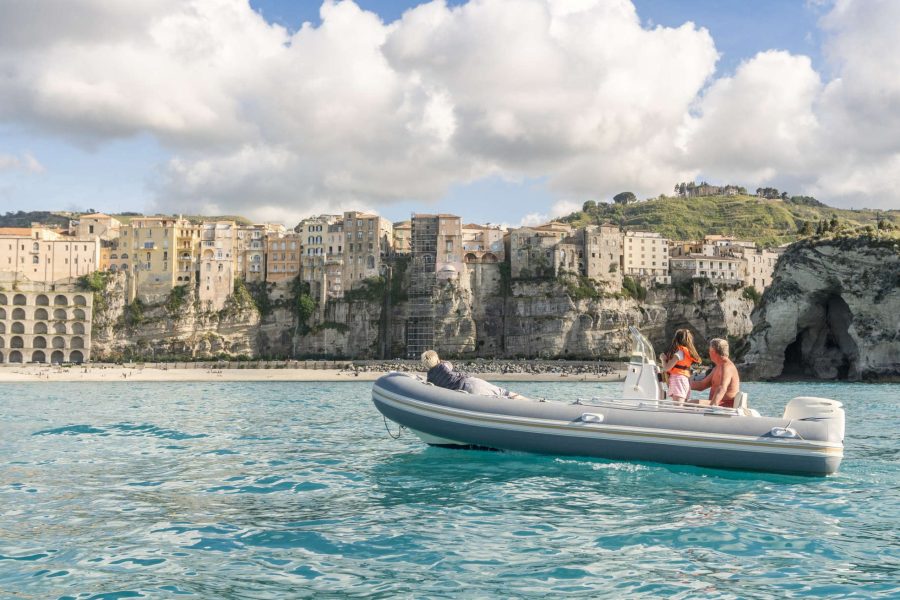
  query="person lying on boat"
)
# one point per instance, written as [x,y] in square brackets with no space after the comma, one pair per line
[442,374]
[723,382]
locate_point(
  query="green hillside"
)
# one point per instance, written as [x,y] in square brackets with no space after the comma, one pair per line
[23,218]
[767,222]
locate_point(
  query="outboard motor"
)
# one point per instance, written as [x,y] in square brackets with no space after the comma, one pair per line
[642,380]
[823,410]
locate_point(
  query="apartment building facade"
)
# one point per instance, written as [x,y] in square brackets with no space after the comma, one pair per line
[367,240]
[44,255]
[218,263]
[645,255]
[158,253]
[45,327]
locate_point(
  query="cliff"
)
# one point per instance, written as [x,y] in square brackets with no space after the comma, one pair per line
[180,328]
[832,312]
[481,315]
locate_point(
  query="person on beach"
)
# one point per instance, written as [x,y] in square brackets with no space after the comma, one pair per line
[442,374]
[723,381]
[677,363]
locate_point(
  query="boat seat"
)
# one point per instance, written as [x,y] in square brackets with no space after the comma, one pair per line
[740,401]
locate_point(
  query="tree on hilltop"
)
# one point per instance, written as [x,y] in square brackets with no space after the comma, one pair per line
[624,198]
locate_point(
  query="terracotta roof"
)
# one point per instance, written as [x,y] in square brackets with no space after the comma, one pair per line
[26,231]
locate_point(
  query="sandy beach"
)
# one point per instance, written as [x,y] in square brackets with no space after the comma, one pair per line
[35,373]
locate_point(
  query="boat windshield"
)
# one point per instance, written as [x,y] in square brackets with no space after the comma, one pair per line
[642,352]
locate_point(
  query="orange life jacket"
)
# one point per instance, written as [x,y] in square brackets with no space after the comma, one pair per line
[683,366]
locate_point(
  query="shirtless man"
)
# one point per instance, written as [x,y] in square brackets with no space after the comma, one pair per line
[723,382]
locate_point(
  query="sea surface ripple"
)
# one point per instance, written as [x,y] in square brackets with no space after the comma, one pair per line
[275,490]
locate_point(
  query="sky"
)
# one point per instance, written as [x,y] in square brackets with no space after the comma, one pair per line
[502,111]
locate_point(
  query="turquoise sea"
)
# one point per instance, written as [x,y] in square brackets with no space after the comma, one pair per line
[280,490]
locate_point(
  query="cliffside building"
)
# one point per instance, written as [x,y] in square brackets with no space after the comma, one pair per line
[533,251]
[367,240]
[314,248]
[645,256]
[218,262]
[482,244]
[158,253]
[251,250]
[43,255]
[603,246]
[718,269]
[282,262]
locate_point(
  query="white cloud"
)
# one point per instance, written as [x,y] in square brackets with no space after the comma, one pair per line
[26,162]
[357,112]
[775,122]
[561,208]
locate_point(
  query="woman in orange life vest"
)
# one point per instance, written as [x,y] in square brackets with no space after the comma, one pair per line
[677,363]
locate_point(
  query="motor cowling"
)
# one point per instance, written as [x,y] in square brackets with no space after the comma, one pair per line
[823,410]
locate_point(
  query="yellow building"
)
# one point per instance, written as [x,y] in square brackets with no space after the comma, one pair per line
[158,253]
[251,250]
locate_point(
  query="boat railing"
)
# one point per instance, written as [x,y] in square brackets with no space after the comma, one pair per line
[657,406]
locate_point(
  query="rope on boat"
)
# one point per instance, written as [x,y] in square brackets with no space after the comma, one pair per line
[400,429]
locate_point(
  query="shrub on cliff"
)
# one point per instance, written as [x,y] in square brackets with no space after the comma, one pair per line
[369,290]
[633,289]
[751,293]
[579,287]
[96,284]
[176,300]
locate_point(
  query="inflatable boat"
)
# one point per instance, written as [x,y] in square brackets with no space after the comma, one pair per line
[638,425]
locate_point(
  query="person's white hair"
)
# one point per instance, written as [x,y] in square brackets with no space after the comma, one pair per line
[720,346]
[430,359]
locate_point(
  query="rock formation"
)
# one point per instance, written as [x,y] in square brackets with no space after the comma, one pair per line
[832,312]
[478,316]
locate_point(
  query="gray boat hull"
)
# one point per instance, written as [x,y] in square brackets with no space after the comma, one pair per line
[703,438]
